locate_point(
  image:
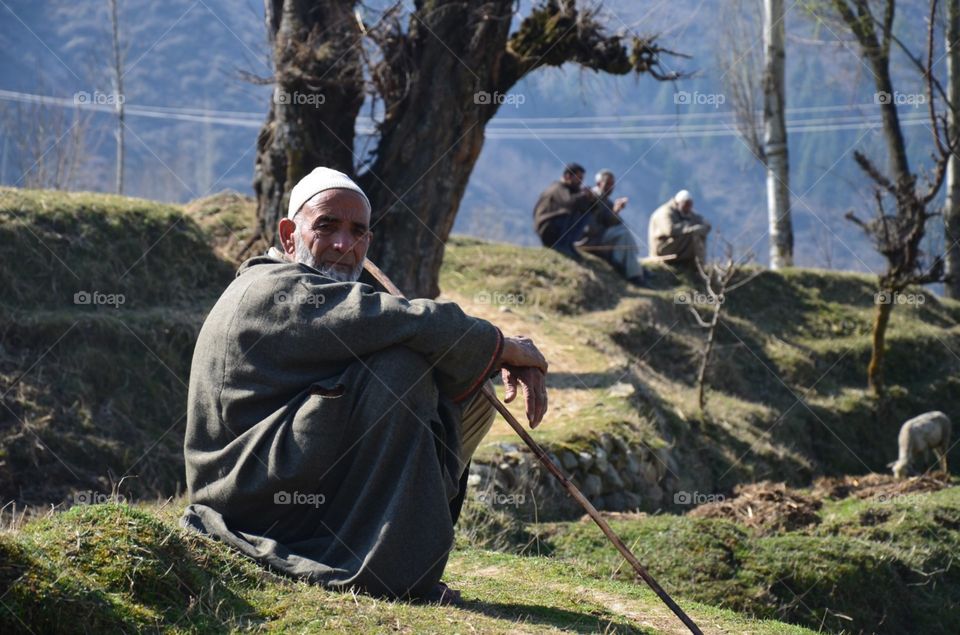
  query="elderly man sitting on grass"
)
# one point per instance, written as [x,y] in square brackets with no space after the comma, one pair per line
[677,234]
[330,426]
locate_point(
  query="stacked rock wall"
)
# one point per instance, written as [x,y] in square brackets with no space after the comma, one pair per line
[617,471]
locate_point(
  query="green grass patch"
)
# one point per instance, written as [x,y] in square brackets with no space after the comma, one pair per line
[111,568]
[870,566]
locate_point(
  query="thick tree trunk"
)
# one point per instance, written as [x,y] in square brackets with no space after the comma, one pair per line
[431,140]
[775,137]
[318,92]
[951,212]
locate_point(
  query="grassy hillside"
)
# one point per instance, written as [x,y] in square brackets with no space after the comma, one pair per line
[103,297]
[786,397]
[94,392]
[870,562]
[109,567]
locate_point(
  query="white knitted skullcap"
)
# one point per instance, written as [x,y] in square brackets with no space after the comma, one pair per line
[682,197]
[321,179]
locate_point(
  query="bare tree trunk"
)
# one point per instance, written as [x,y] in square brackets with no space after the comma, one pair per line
[775,137]
[951,211]
[118,92]
[705,359]
[430,142]
[875,368]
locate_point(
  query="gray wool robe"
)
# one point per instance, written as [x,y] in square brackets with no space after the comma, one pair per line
[323,426]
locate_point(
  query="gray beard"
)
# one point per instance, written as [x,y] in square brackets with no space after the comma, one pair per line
[305,256]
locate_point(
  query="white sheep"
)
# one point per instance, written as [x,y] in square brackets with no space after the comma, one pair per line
[920,435]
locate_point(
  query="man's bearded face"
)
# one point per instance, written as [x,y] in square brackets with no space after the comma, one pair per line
[333,234]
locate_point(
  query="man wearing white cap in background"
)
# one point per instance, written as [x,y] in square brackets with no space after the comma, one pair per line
[330,426]
[677,234]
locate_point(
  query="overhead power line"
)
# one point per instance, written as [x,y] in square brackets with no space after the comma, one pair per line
[506,127]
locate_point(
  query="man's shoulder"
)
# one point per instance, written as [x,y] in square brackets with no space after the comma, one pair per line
[555,188]
[664,209]
[273,261]
[274,265]
[269,275]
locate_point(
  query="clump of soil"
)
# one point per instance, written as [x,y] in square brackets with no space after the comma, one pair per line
[877,486]
[765,507]
[872,516]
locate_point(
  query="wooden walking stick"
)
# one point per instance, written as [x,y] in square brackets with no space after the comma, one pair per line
[541,455]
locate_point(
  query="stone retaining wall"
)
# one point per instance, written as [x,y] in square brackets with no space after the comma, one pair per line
[615,471]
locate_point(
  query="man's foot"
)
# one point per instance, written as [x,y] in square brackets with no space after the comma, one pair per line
[638,281]
[444,596]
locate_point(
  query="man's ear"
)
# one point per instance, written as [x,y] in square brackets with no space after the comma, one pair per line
[286,229]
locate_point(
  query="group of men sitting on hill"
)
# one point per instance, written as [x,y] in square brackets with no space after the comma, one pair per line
[569,217]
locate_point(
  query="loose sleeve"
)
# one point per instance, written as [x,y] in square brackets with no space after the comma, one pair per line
[329,324]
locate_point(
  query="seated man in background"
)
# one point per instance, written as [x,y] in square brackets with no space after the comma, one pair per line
[607,234]
[678,235]
[563,211]
[330,426]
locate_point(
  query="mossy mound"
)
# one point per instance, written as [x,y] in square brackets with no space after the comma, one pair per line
[69,250]
[536,279]
[110,568]
[872,565]
[103,298]
[93,398]
[230,220]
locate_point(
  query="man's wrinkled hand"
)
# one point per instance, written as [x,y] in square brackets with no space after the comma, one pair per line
[523,365]
[533,385]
